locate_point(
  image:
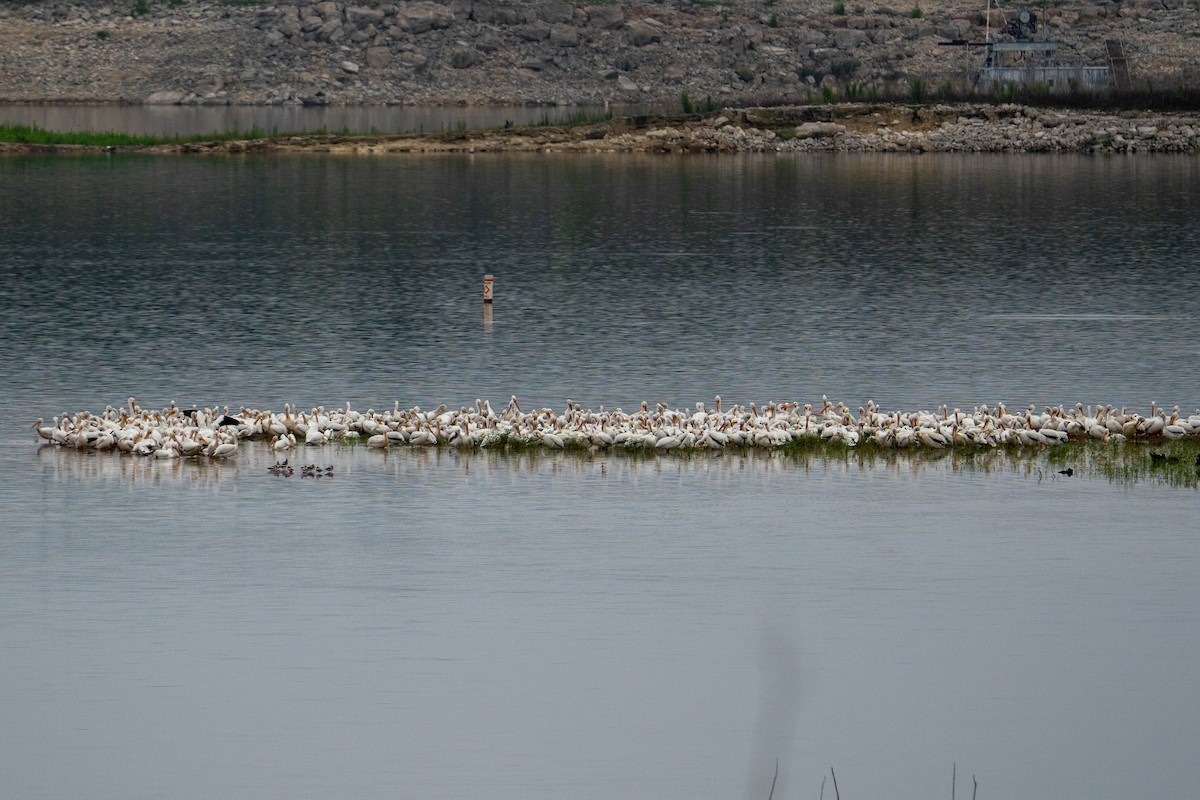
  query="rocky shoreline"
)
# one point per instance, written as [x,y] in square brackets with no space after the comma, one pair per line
[472,52]
[861,128]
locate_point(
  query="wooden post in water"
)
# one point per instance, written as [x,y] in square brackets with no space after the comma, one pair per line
[487,303]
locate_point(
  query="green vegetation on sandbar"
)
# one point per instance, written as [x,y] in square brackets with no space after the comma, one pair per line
[1121,463]
[573,118]
[31,134]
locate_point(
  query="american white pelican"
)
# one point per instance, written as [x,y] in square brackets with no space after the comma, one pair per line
[216,433]
[45,431]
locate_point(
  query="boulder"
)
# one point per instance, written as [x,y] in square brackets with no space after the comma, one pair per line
[423,17]
[378,57]
[327,31]
[289,27]
[564,35]
[413,58]
[488,42]
[642,32]
[165,98]
[953,29]
[362,17]
[465,57]
[535,32]
[786,116]
[495,15]
[606,17]
[848,39]
[819,130]
[555,12]
[674,73]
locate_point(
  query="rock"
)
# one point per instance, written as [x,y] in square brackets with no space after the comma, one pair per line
[488,42]
[849,39]
[495,15]
[465,57]
[412,58]
[814,130]
[360,16]
[289,27]
[378,57]
[535,32]
[555,12]
[626,84]
[605,17]
[564,35]
[787,116]
[675,73]
[350,66]
[165,98]
[642,32]
[423,17]
[329,32]
[954,29]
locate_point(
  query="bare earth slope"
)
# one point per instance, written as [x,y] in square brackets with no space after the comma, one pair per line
[494,51]
[857,127]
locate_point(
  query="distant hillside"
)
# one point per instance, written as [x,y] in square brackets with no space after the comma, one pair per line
[200,51]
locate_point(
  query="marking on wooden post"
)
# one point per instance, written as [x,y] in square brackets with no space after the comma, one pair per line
[487,288]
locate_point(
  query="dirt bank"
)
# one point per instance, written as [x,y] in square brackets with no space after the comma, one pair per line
[832,128]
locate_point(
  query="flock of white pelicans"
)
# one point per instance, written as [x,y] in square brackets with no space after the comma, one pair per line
[177,432]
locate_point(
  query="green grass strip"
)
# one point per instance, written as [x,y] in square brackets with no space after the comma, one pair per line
[31,134]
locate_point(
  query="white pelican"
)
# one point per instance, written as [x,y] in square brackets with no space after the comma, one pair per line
[222,449]
[167,451]
[931,438]
[215,433]
[45,431]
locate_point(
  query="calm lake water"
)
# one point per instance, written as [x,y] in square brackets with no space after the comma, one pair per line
[434,624]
